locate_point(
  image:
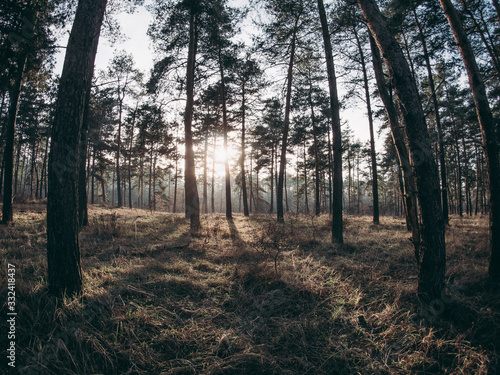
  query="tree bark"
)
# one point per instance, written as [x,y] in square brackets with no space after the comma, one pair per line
[63,253]
[431,253]
[337,226]
[487,124]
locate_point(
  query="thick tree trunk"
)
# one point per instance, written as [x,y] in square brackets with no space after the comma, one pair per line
[487,123]
[192,208]
[337,226]
[63,254]
[431,253]
[409,190]
[286,126]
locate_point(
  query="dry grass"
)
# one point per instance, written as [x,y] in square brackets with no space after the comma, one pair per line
[249,297]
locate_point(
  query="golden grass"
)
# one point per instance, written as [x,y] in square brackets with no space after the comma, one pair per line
[249,296]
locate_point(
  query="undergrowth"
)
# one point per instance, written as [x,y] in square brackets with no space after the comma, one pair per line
[249,296]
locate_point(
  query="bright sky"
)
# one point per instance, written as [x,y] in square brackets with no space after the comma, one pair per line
[134,27]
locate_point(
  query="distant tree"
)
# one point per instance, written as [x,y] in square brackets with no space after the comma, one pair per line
[248,79]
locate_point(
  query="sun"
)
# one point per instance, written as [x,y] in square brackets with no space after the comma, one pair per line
[220,158]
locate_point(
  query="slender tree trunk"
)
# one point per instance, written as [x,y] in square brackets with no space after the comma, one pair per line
[212,197]
[82,173]
[431,253]
[176,177]
[317,207]
[225,129]
[205,175]
[337,226]
[487,123]
[119,147]
[306,198]
[251,181]
[130,150]
[246,211]
[373,156]
[439,126]
[192,202]
[63,254]
[286,125]
[271,204]
[7,211]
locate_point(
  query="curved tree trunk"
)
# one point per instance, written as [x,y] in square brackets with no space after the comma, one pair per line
[431,253]
[408,190]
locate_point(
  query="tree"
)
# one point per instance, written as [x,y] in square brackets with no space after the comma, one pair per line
[248,79]
[122,74]
[431,252]
[337,226]
[25,39]
[63,254]
[487,123]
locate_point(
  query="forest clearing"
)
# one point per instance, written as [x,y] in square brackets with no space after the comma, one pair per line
[158,300]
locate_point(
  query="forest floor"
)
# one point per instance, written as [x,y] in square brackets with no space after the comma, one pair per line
[248,296]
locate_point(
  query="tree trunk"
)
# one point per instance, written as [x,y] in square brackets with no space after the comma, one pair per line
[82,173]
[487,123]
[192,202]
[205,175]
[431,253]
[376,215]
[439,126]
[337,226]
[119,147]
[63,254]
[317,207]
[225,129]
[271,201]
[7,211]
[286,125]
[246,211]
[212,195]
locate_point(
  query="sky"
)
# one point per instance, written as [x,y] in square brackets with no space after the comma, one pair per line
[135,26]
